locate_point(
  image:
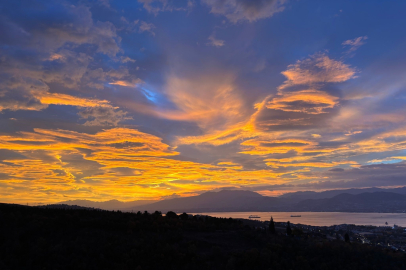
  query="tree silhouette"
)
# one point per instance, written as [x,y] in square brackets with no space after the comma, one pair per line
[347,238]
[272,227]
[171,214]
[41,237]
[288,229]
[184,216]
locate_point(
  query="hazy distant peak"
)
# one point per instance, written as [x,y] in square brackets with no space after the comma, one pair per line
[239,192]
[108,205]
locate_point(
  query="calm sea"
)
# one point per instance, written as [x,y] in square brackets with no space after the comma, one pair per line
[321,218]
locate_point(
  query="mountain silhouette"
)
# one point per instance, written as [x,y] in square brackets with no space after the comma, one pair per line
[222,201]
[350,200]
[368,201]
[108,205]
[305,195]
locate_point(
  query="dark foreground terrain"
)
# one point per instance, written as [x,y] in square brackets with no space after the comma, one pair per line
[43,238]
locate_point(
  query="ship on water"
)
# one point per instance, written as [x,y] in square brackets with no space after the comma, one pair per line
[295,216]
[253,216]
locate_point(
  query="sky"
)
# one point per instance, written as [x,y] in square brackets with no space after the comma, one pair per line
[157,99]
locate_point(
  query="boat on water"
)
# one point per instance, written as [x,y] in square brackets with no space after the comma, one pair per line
[295,216]
[254,216]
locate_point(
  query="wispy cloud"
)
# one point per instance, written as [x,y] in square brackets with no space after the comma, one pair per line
[147,27]
[318,68]
[245,10]
[156,6]
[103,116]
[215,42]
[305,101]
[354,44]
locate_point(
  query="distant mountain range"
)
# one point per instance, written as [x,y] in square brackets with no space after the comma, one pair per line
[305,195]
[222,201]
[65,206]
[108,205]
[389,202]
[350,200]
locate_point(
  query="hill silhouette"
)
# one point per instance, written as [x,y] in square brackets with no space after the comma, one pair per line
[65,239]
[108,205]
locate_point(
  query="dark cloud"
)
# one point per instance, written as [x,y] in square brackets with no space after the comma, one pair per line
[103,116]
[376,175]
[274,120]
[336,170]
[55,53]
[283,144]
[59,172]
[156,6]
[8,154]
[20,93]
[250,10]
[127,145]
[47,26]
[332,144]
[123,171]
[80,167]
[4,176]
[33,142]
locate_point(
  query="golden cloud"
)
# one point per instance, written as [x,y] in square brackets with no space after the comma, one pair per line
[60,163]
[265,147]
[211,101]
[304,101]
[63,99]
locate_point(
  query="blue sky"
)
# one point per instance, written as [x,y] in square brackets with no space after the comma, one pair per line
[149,99]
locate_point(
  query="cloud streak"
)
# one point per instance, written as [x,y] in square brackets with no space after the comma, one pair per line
[354,44]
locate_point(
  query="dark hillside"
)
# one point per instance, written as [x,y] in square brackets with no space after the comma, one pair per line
[41,238]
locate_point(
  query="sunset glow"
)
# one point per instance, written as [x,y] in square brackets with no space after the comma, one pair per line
[150,99]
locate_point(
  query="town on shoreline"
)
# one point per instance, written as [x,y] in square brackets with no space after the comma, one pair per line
[386,237]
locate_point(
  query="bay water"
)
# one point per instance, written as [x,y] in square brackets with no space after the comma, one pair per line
[320,218]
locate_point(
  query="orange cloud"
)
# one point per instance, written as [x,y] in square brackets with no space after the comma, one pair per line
[118,163]
[63,99]
[56,56]
[319,68]
[131,83]
[211,101]
[304,101]
[264,147]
